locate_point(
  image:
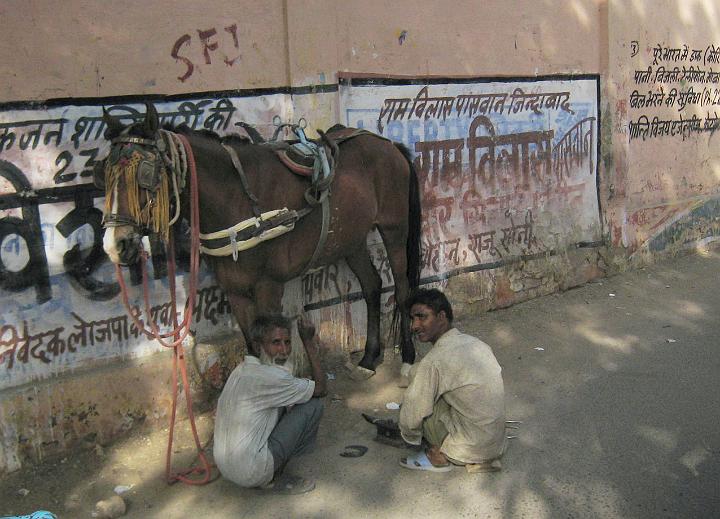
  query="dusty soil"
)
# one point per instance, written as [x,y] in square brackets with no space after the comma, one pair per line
[72,485]
[616,384]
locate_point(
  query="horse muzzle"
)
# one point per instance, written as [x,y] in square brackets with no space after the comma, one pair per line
[123,248]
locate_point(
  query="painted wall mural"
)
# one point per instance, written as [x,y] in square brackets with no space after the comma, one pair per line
[680,78]
[673,95]
[61,308]
[508,170]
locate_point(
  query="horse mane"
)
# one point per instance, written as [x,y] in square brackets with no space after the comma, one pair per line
[232,138]
[335,128]
[235,138]
[241,140]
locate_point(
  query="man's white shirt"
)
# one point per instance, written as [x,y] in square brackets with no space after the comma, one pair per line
[247,412]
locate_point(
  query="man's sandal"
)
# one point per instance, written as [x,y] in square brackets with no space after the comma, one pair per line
[287,484]
[420,461]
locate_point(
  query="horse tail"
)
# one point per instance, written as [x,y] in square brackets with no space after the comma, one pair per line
[412,250]
[414,222]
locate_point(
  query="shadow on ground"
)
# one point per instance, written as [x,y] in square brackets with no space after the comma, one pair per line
[615,384]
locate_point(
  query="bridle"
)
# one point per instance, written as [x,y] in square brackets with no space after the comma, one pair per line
[152,159]
[172,155]
[164,161]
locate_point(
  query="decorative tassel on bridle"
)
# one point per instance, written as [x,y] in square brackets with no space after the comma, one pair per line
[155,214]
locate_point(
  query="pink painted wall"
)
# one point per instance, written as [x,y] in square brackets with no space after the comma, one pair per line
[662,190]
[657,193]
[90,48]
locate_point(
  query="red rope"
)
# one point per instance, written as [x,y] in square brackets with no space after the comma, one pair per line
[180,331]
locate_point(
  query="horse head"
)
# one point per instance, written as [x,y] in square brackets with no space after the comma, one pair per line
[135,177]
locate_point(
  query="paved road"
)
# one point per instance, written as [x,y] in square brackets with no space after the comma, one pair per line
[621,408]
[617,385]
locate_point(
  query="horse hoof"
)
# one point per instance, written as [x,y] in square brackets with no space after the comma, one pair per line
[359,373]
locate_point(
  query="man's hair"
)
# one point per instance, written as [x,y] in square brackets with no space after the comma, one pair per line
[265,324]
[432,298]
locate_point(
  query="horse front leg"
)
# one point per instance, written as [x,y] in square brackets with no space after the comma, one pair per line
[247,303]
[268,296]
[362,266]
[237,286]
[243,308]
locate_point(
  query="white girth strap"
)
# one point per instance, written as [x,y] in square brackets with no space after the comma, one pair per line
[237,246]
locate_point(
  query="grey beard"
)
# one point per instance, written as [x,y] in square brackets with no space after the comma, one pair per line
[288,366]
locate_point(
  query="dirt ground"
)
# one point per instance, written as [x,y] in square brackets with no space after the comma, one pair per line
[616,385]
[71,486]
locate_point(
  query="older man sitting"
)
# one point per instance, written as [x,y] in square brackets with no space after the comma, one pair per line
[265,415]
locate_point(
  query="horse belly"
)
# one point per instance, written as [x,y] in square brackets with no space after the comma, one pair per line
[290,258]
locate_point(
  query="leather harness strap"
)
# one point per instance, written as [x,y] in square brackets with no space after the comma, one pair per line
[323,232]
[265,226]
[243,179]
[260,222]
[323,192]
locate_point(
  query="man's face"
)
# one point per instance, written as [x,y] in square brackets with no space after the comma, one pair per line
[277,346]
[426,324]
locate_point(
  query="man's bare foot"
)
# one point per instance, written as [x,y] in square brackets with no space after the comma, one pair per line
[436,457]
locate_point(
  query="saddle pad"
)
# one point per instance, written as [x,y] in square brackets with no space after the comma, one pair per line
[302,164]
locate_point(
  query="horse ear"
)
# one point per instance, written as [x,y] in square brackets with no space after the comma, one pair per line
[151,120]
[114,126]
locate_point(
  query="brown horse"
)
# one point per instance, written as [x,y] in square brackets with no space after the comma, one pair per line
[374,186]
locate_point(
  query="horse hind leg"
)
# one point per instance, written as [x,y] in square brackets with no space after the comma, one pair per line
[371,284]
[394,240]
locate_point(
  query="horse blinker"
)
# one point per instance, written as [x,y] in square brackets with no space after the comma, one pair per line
[148,175]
